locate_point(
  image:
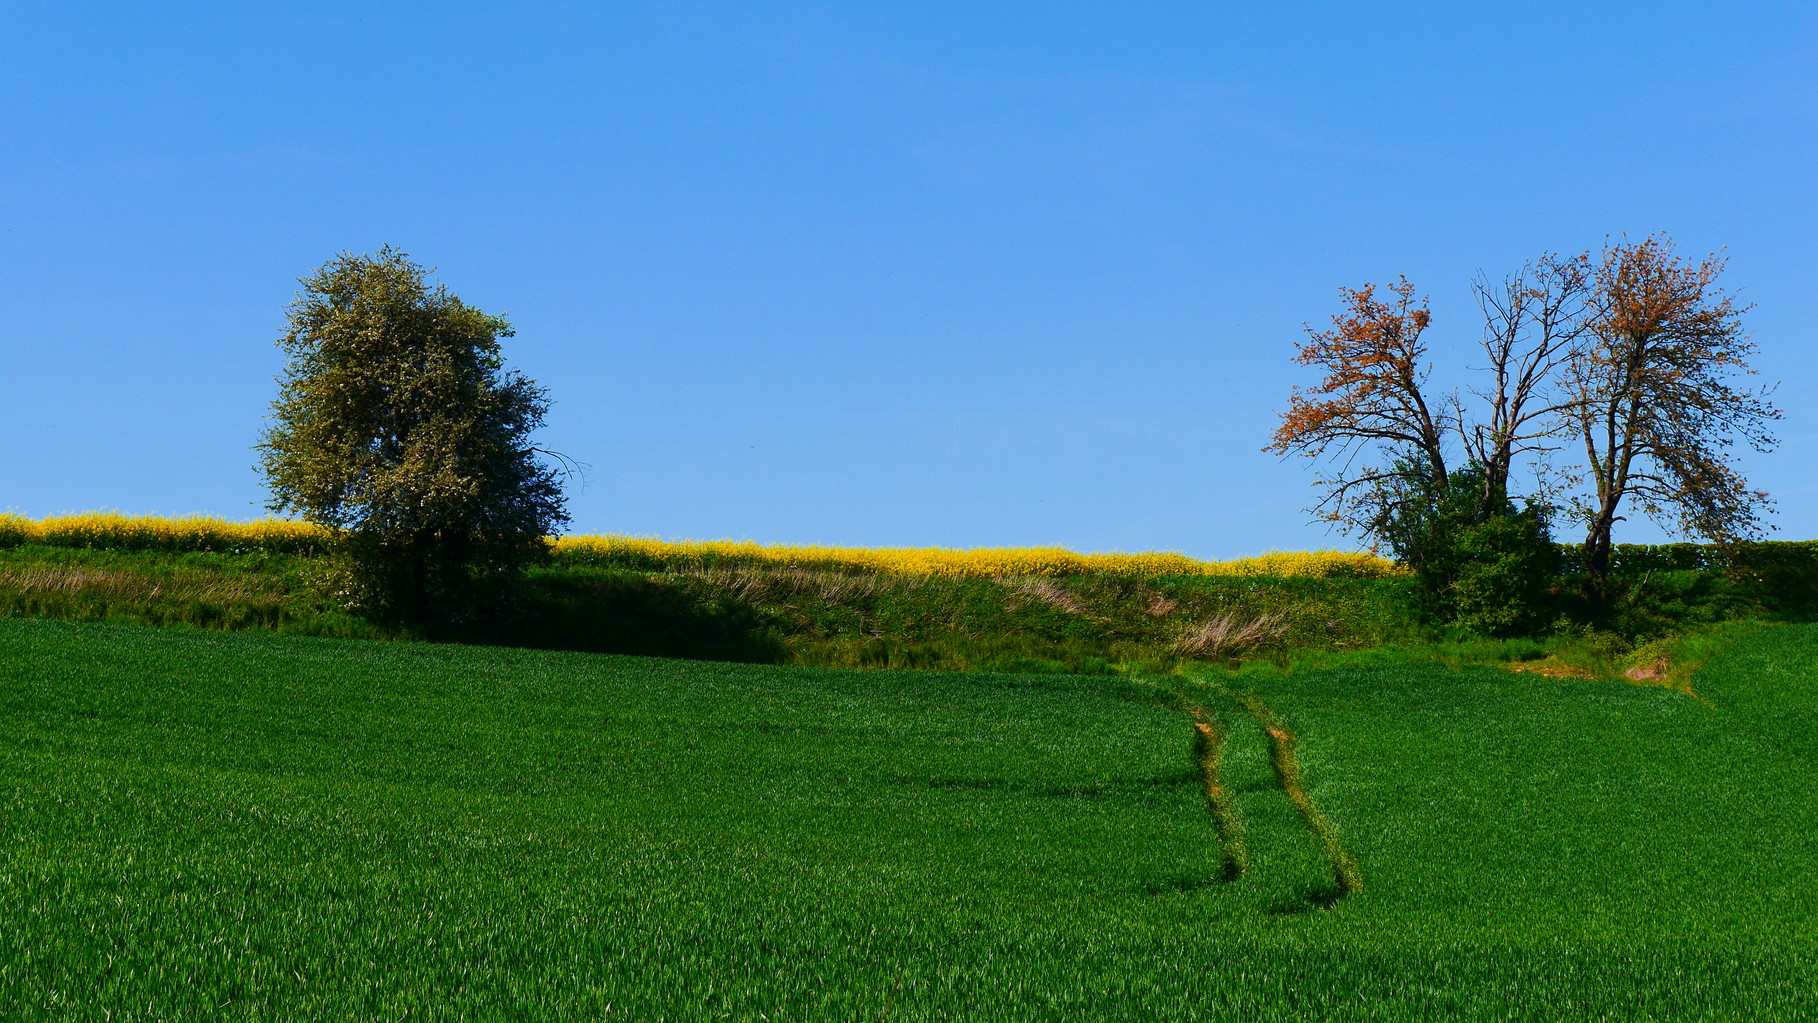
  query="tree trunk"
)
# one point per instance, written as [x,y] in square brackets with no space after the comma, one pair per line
[1597,550]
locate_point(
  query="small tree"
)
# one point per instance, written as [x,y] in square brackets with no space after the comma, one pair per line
[398,426]
[1654,403]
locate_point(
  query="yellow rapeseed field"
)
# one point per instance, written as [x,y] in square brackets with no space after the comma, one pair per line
[152,533]
[198,533]
[982,562]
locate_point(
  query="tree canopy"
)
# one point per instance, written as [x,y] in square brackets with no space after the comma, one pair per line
[398,425]
[1656,402]
[1631,357]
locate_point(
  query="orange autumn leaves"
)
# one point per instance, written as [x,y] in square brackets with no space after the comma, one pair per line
[1612,377]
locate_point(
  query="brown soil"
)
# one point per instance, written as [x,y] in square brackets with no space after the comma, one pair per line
[1552,669]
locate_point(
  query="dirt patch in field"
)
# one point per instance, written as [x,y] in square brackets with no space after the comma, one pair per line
[1552,669]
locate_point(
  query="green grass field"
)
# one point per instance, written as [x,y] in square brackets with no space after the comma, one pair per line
[207,825]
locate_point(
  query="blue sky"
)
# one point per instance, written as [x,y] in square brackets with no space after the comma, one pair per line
[879,274]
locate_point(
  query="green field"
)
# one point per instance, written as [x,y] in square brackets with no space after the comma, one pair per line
[206,825]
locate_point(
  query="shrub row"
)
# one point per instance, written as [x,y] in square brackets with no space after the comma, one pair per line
[1632,559]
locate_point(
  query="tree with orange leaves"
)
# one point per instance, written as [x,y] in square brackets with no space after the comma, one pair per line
[1372,416]
[1655,404]
[1484,562]
[1371,402]
[1631,357]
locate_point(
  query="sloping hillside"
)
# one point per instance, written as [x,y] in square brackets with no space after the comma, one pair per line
[205,825]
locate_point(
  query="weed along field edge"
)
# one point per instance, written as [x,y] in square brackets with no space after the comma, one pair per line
[216,825]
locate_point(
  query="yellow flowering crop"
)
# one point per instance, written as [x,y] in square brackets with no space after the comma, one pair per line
[151,533]
[986,562]
[197,533]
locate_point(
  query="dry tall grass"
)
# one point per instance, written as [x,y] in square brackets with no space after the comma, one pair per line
[1227,634]
[109,584]
[1049,592]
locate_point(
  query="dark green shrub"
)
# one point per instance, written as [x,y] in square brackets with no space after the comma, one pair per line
[1502,571]
[1491,574]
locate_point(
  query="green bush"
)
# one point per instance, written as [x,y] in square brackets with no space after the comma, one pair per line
[1491,575]
[1502,571]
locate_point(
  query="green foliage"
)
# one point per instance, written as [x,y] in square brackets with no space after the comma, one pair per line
[1502,570]
[1653,587]
[1490,574]
[212,827]
[398,425]
[1082,624]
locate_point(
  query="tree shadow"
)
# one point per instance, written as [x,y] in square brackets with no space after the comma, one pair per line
[627,613]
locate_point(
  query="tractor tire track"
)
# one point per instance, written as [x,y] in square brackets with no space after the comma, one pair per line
[1208,754]
[1282,742]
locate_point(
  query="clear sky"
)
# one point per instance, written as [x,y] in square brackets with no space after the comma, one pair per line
[862,273]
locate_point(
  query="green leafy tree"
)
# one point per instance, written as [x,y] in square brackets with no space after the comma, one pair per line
[398,426]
